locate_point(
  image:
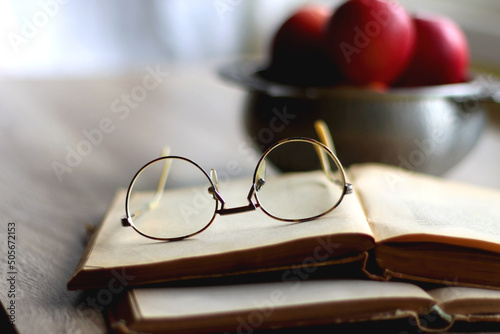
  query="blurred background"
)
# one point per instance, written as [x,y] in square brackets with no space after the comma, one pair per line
[75,38]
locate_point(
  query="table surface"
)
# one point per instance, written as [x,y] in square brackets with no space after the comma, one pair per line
[50,192]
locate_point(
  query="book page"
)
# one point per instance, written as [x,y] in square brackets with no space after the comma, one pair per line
[117,246]
[405,206]
[460,300]
[318,297]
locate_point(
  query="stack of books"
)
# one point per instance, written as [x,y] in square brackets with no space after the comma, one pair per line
[404,245]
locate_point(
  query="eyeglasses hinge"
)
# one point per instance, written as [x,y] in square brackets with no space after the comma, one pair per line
[348,188]
[125,222]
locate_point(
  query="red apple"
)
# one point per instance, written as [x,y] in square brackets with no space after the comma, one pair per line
[441,55]
[297,49]
[371,41]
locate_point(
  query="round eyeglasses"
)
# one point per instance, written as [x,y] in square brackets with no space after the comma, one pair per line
[184,212]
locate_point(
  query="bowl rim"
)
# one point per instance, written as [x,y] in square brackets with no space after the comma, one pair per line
[245,72]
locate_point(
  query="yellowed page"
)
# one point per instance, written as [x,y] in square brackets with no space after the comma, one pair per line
[460,300]
[193,302]
[117,246]
[405,206]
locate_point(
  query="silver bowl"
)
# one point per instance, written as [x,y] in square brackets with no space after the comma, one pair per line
[427,129]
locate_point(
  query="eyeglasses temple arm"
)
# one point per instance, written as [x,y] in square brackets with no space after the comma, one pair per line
[159,189]
[326,138]
[163,178]
[324,135]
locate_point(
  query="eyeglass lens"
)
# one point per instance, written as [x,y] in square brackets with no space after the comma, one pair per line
[299,195]
[178,212]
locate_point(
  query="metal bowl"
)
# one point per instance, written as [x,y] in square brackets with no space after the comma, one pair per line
[427,129]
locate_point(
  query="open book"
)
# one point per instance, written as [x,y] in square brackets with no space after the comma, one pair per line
[243,308]
[412,226]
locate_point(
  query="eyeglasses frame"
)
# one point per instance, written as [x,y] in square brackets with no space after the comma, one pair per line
[253,200]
